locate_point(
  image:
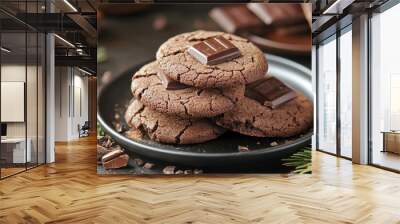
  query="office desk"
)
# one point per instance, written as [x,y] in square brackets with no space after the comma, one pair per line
[391,141]
[13,150]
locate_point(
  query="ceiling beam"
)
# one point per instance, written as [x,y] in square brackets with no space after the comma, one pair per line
[83,23]
[77,61]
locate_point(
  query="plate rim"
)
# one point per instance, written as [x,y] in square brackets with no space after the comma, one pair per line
[293,49]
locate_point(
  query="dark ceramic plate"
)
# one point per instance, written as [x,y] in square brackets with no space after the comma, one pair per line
[115,96]
[299,44]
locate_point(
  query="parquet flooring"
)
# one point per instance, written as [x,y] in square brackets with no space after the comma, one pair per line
[70,191]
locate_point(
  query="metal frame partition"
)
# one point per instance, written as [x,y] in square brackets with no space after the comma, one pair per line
[339,32]
[27,29]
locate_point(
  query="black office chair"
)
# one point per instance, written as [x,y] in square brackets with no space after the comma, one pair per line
[84,130]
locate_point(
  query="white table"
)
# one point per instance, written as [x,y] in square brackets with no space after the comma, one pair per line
[19,155]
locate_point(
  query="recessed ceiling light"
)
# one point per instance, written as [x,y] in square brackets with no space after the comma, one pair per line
[70,5]
[64,40]
[337,7]
[84,71]
[5,49]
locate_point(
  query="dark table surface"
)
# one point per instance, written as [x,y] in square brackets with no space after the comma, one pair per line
[132,40]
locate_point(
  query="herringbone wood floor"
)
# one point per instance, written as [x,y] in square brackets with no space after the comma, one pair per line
[69,191]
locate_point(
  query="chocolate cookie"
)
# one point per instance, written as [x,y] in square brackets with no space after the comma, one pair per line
[180,65]
[183,101]
[250,117]
[170,129]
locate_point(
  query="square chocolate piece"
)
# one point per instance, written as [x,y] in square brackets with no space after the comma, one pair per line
[236,19]
[270,92]
[214,50]
[169,83]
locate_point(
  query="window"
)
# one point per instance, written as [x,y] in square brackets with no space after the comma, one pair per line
[346,93]
[327,96]
[385,87]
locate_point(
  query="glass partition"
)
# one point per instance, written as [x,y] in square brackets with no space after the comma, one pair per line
[13,104]
[327,96]
[22,77]
[41,88]
[32,98]
[346,93]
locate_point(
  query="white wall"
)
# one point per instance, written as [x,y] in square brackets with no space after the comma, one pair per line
[33,126]
[71,94]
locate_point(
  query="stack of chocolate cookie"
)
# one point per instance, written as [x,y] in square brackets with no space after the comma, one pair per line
[197,88]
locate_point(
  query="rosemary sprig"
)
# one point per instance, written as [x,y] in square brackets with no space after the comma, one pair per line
[301,161]
[100,131]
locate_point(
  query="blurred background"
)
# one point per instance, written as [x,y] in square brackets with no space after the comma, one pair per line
[129,35]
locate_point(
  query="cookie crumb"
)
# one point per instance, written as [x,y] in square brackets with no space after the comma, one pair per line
[197,171]
[138,161]
[243,148]
[273,144]
[179,172]
[148,165]
[134,134]
[169,170]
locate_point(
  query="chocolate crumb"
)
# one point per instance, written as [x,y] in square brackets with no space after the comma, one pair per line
[107,144]
[101,151]
[148,165]
[169,170]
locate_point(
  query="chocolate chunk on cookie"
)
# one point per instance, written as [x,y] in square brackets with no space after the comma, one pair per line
[170,129]
[250,117]
[180,65]
[270,91]
[147,86]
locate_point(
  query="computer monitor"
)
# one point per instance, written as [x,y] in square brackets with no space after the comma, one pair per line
[3,129]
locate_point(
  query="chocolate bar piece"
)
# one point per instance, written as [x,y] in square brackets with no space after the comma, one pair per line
[236,18]
[115,159]
[278,14]
[214,50]
[169,83]
[270,92]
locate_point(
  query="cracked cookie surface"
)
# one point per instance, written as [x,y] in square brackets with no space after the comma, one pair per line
[249,117]
[170,129]
[179,65]
[189,102]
